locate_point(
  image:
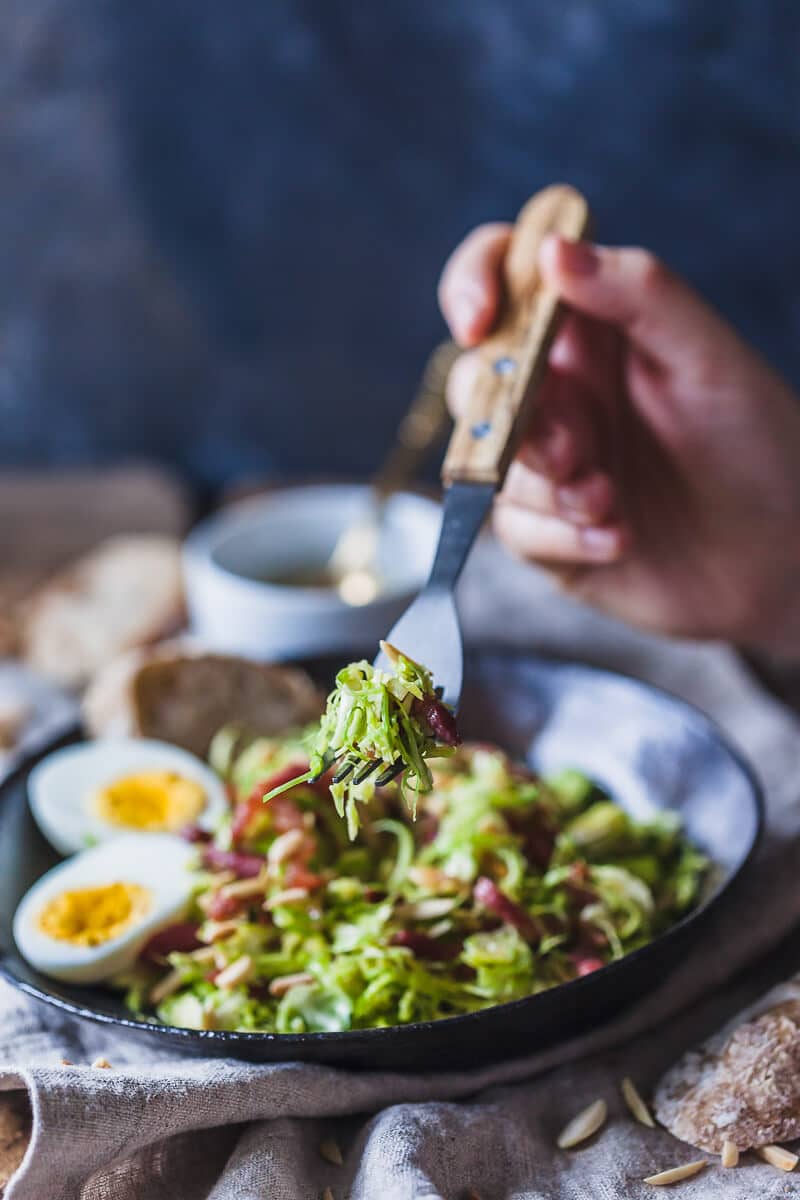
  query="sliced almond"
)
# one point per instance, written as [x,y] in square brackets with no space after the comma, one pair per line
[428,909]
[206,954]
[284,846]
[243,889]
[102,1063]
[433,879]
[492,823]
[583,1125]
[329,1149]
[676,1174]
[165,987]
[215,931]
[730,1154]
[391,652]
[295,895]
[281,984]
[239,971]
[65,1062]
[778,1156]
[635,1103]
[209,1018]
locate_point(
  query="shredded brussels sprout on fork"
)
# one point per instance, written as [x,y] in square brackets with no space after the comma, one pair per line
[378,726]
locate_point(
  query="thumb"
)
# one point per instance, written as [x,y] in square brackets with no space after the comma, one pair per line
[633,290]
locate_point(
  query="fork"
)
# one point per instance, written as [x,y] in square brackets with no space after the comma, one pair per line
[513,360]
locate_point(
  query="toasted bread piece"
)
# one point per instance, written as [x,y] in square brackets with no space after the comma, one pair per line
[128,592]
[743,1084]
[185,696]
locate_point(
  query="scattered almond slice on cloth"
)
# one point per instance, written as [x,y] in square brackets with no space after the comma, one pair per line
[635,1103]
[730,1154]
[778,1156]
[329,1149]
[743,1084]
[676,1174]
[582,1126]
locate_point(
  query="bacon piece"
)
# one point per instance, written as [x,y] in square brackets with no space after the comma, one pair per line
[585,964]
[282,807]
[297,874]
[538,834]
[222,908]
[488,894]
[439,720]
[194,834]
[244,866]
[180,936]
[422,945]
[577,885]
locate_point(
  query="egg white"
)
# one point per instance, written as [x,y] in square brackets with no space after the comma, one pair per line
[62,786]
[159,862]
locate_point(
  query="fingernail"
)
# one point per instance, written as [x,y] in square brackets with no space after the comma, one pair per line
[600,543]
[579,258]
[466,309]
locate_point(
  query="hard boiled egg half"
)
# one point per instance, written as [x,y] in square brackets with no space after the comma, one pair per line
[94,791]
[89,917]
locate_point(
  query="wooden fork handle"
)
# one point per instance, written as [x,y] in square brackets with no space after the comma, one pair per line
[513,358]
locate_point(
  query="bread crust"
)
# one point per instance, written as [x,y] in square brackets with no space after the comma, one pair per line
[178,693]
[743,1084]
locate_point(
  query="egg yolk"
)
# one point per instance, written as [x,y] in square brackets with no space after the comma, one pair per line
[93,915]
[154,801]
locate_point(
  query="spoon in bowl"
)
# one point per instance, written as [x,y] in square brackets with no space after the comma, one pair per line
[353,565]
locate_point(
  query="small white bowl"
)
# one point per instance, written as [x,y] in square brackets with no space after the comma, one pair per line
[229,558]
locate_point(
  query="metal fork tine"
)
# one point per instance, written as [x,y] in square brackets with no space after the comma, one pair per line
[389,774]
[347,768]
[366,771]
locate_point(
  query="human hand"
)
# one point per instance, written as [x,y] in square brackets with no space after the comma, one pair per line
[659,478]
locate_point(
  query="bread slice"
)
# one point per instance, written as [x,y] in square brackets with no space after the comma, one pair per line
[127,592]
[184,696]
[743,1084]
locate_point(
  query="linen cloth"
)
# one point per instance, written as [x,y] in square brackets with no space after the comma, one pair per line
[158,1125]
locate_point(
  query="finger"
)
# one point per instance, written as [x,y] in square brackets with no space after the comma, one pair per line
[561,437]
[554,540]
[589,351]
[588,500]
[470,286]
[631,288]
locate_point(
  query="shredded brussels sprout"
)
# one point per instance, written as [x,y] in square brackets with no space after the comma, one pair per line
[507,884]
[378,724]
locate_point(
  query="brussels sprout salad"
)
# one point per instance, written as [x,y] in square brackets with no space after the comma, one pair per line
[505,885]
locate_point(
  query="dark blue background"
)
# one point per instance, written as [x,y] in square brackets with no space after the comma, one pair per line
[222,221]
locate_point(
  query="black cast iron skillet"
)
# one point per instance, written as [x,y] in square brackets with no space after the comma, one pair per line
[648,749]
